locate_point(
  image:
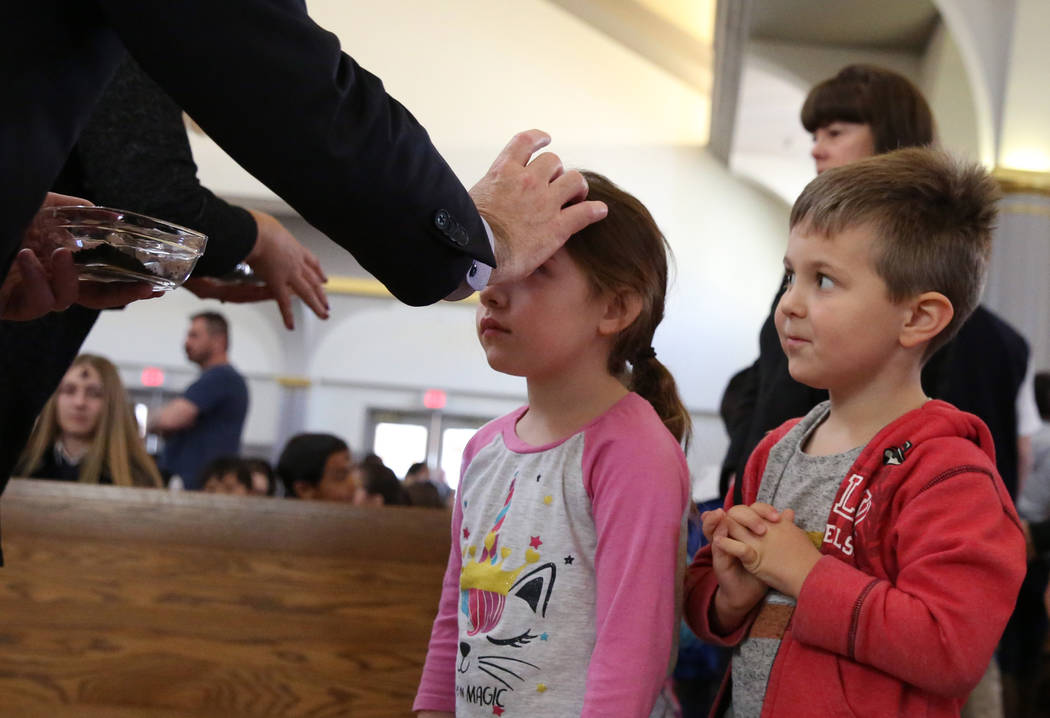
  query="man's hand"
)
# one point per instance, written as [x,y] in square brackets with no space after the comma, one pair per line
[286,266]
[781,556]
[738,590]
[28,292]
[525,205]
[236,292]
[43,279]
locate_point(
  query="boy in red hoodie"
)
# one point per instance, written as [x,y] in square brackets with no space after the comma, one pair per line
[876,557]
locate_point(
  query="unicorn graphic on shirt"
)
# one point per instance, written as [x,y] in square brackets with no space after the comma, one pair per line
[502,606]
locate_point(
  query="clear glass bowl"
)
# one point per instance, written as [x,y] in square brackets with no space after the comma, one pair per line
[114,245]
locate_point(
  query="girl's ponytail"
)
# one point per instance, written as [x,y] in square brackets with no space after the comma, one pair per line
[627,253]
[653,382]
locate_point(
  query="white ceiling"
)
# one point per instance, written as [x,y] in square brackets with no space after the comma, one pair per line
[884,25]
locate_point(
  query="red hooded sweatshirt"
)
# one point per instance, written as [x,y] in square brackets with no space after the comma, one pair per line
[923,558]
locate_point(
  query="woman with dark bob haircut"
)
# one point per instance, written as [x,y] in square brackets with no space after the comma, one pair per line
[892,107]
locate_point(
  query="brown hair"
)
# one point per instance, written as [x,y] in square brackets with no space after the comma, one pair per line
[216,325]
[626,252]
[889,103]
[933,217]
[116,447]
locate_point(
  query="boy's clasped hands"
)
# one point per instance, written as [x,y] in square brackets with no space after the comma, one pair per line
[754,548]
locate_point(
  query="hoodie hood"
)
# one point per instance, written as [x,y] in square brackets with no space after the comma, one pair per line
[918,451]
[908,436]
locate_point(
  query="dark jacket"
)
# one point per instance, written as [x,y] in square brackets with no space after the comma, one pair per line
[276,92]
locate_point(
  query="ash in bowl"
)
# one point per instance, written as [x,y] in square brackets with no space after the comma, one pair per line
[113,245]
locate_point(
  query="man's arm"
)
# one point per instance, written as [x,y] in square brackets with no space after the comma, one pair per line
[178,414]
[134,154]
[352,160]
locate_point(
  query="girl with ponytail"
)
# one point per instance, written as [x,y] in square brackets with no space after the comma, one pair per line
[560,593]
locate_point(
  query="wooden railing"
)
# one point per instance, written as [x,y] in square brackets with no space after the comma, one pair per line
[122,602]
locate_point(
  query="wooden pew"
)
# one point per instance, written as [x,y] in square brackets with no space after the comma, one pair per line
[120,602]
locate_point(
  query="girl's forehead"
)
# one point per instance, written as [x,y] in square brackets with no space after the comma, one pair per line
[83,374]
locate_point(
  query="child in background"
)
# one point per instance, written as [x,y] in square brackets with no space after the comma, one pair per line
[317,466]
[560,593]
[263,483]
[227,475]
[377,485]
[875,559]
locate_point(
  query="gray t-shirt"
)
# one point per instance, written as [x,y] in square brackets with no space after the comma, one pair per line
[807,484]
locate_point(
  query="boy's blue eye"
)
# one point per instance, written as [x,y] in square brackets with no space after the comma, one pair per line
[825,282]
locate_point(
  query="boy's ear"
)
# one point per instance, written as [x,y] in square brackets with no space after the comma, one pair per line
[304,490]
[929,313]
[621,310]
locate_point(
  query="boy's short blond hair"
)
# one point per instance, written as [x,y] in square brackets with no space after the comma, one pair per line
[932,215]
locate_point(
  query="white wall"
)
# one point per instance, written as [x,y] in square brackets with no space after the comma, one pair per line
[946,85]
[1024,140]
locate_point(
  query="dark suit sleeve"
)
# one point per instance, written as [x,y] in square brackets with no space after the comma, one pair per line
[134,154]
[55,58]
[277,93]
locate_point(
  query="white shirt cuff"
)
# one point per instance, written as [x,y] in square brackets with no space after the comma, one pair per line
[477,277]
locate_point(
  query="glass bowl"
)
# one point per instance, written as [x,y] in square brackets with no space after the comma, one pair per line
[114,245]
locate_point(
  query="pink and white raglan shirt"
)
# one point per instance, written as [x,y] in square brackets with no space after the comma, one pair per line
[561,593]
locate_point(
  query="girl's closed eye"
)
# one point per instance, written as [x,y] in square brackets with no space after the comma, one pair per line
[544,270]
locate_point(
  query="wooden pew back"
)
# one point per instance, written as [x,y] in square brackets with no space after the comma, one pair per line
[129,602]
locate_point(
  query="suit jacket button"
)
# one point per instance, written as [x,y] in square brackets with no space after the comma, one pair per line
[442,220]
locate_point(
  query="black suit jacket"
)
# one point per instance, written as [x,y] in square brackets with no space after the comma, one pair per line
[276,92]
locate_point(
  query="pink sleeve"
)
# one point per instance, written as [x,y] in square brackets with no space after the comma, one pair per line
[437,687]
[639,484]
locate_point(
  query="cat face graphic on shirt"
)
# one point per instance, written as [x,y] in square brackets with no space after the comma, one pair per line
[504,595]
[503,627]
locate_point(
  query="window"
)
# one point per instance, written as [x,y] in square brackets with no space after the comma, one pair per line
[400,445]
[401,438]
[453,441]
